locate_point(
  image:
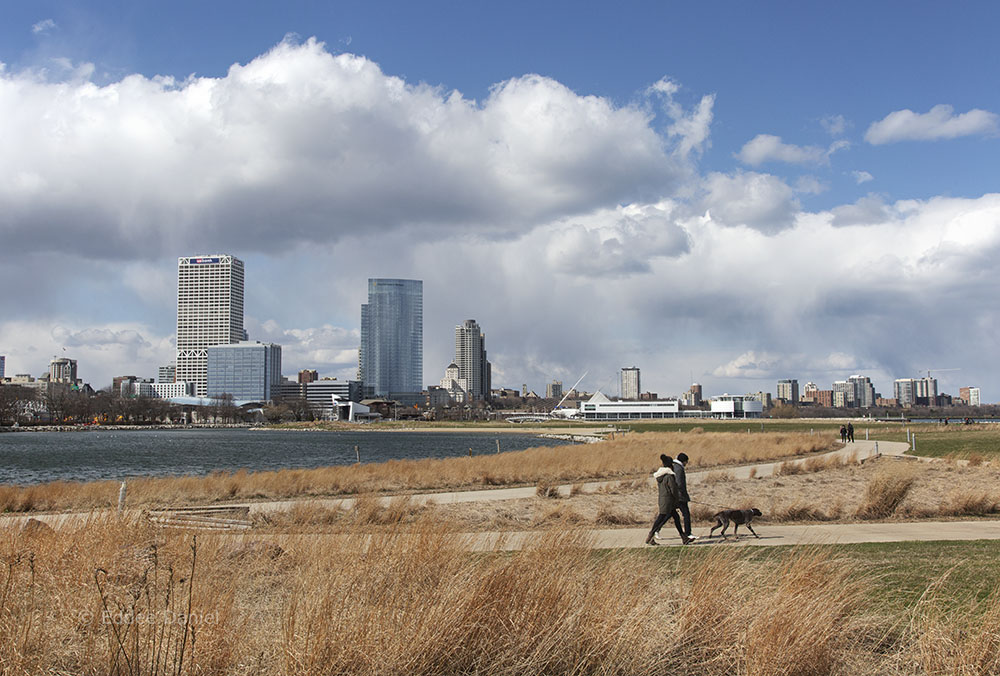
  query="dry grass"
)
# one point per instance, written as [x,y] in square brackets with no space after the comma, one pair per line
[627,456]
[119,597]
[886,492]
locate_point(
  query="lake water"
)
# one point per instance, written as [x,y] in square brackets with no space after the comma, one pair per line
[35,457]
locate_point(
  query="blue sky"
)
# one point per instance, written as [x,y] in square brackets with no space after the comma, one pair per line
[840,156]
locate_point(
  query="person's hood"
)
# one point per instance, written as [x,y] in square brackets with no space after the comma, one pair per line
[661,471]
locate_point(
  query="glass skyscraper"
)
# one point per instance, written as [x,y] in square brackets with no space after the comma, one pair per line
[391,356]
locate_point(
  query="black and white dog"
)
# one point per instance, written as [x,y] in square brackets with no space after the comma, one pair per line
[739,517]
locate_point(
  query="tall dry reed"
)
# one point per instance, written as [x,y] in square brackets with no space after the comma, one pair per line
[122,597]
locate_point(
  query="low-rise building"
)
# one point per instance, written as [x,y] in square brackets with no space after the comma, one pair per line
[599,407]
[320,394]
[736,406]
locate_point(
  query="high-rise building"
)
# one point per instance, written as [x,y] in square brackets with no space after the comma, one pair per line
[843,394]
[307,376]
[209,312]
[554,390]
[915,391]
[864,391]
[166,374]
[630,384]
[391,355]
[969,395]
[247,371]
[62,370]
[926,391]
[3,365]
[470,358]
[788,390]
[904,391]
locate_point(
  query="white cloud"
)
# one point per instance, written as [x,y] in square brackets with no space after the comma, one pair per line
[618,243]
[862,177]
[769,148]
[868,210]
[101,350]
[938,123]
[43,26]
[759,201]
[810,185]
[301,145]
[835,125]
[690,128]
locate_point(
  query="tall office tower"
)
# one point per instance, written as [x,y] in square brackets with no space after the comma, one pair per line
[391,355]
[307,376]
[248,370]
[630,384]
[3,364]
[904,391]
[62,370]
[554,390]
[209,312]
[696,395]
[470,357]
[166,374]
[974,398]
[864,391]
[788,390]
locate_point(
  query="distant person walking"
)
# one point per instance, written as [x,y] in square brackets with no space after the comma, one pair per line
[668,495]
[680,462]
[850,432]
[843,434]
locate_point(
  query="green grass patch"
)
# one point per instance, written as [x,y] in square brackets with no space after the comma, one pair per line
[898,572]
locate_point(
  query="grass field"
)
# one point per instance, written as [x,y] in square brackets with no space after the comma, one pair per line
[932,439]
[123,597]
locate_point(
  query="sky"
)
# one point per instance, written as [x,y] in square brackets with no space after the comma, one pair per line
[719,192]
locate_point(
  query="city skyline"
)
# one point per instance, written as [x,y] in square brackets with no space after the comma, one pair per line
[596,197]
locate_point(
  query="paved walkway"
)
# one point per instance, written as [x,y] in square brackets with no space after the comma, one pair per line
[772,535]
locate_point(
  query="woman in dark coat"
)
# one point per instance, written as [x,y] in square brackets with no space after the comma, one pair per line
[668,497]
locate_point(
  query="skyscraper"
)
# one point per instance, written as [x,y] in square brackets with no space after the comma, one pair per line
[391,355]
[470,357]
[3,361]
[209,312]
[630,384]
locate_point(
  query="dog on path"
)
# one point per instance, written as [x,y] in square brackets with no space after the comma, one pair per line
[738,517]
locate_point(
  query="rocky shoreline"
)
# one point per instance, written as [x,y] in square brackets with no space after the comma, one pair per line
[125,428]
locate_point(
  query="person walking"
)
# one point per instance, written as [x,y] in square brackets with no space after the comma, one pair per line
[850,432]
[667,499]
[680,462]
[843,434]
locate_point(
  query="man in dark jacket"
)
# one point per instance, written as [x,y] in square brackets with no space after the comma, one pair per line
[682,500]
[668,495]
